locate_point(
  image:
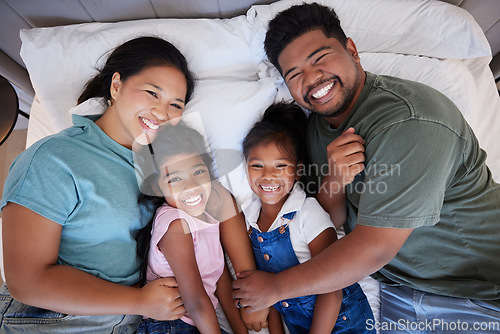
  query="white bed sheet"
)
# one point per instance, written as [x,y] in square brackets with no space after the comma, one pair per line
[422,40]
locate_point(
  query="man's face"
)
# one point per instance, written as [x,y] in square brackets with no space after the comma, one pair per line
[322,75]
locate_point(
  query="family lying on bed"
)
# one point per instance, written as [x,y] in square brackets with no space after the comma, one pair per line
[424,224]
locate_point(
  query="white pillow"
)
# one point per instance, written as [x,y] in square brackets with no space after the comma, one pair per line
[60,60]
[224,111]
[419,27]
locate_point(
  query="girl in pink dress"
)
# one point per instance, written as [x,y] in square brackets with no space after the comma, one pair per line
[185,239]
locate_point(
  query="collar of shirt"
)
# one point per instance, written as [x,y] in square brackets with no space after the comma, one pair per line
[294,202]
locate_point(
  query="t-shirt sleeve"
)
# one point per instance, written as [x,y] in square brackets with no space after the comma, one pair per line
[314,219]
[164,217]
[408,168]
[42,182]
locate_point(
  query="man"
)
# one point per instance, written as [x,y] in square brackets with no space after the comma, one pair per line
[424,215]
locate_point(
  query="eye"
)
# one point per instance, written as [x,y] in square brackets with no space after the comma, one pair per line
[200,172]
[177,106]
[321,57]
[174,179]
[256,166]
[152,93]
[293,76]
[281,165]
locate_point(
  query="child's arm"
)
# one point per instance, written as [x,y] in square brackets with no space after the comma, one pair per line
[234,238]
[224,295]
[177,247]
[327,307]
[275,322]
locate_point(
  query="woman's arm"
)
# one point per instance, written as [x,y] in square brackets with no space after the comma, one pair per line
[327,307]
[224,295]
[31,246]
[178,248]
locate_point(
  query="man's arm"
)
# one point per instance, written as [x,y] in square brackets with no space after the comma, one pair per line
[348,260]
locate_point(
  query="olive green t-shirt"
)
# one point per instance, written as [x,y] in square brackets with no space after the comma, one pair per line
[424,170]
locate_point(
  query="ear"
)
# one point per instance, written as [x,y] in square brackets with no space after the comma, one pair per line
[116,84]
[351,47]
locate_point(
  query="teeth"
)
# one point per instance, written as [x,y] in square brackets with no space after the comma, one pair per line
[270,188]
[150,124]
[323,91]
[192,200]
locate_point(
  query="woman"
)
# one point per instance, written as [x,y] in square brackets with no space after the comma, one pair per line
[70,213]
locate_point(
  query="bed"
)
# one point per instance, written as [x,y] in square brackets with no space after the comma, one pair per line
[427,41]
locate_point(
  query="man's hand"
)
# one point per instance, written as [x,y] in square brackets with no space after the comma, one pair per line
[345,158]
[255,290]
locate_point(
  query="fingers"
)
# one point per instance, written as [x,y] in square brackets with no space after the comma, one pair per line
[168,281]
[177,312]
[245,273]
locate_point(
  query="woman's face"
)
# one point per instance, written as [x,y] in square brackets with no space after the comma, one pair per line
[185,183]
[144,102]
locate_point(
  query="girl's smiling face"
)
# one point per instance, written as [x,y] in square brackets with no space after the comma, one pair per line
[185,183]
[144,102]
[271,173]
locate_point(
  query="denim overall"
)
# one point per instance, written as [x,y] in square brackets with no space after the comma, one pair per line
[274,253]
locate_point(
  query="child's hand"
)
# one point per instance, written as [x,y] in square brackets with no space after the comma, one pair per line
[160,300]
[255,320]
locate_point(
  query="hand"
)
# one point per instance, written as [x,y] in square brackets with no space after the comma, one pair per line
[160,300]
[345,158]
[255,320]
[255,290]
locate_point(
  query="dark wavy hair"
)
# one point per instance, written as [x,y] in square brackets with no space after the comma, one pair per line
[283,124]
[133,57]
[297,20]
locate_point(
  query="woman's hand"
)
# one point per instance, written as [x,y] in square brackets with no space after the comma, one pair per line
[160,300]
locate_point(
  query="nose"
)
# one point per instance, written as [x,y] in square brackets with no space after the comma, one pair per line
[167,114]
[268,173]
[191,184]
[312,75]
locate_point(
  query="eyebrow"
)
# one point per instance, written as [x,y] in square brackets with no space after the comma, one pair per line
[308,57]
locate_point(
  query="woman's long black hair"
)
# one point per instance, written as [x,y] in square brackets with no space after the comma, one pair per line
[131,58]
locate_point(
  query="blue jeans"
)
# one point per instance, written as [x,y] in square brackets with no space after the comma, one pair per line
[274,253]
[151,326]
[405,310]
[16,317]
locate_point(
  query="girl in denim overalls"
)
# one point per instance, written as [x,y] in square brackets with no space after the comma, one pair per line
[287,228]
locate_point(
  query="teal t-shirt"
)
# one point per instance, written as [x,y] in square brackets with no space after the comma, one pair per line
[83,180]
[424,170]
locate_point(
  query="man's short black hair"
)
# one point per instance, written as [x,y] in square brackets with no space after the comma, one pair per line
[297,20]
